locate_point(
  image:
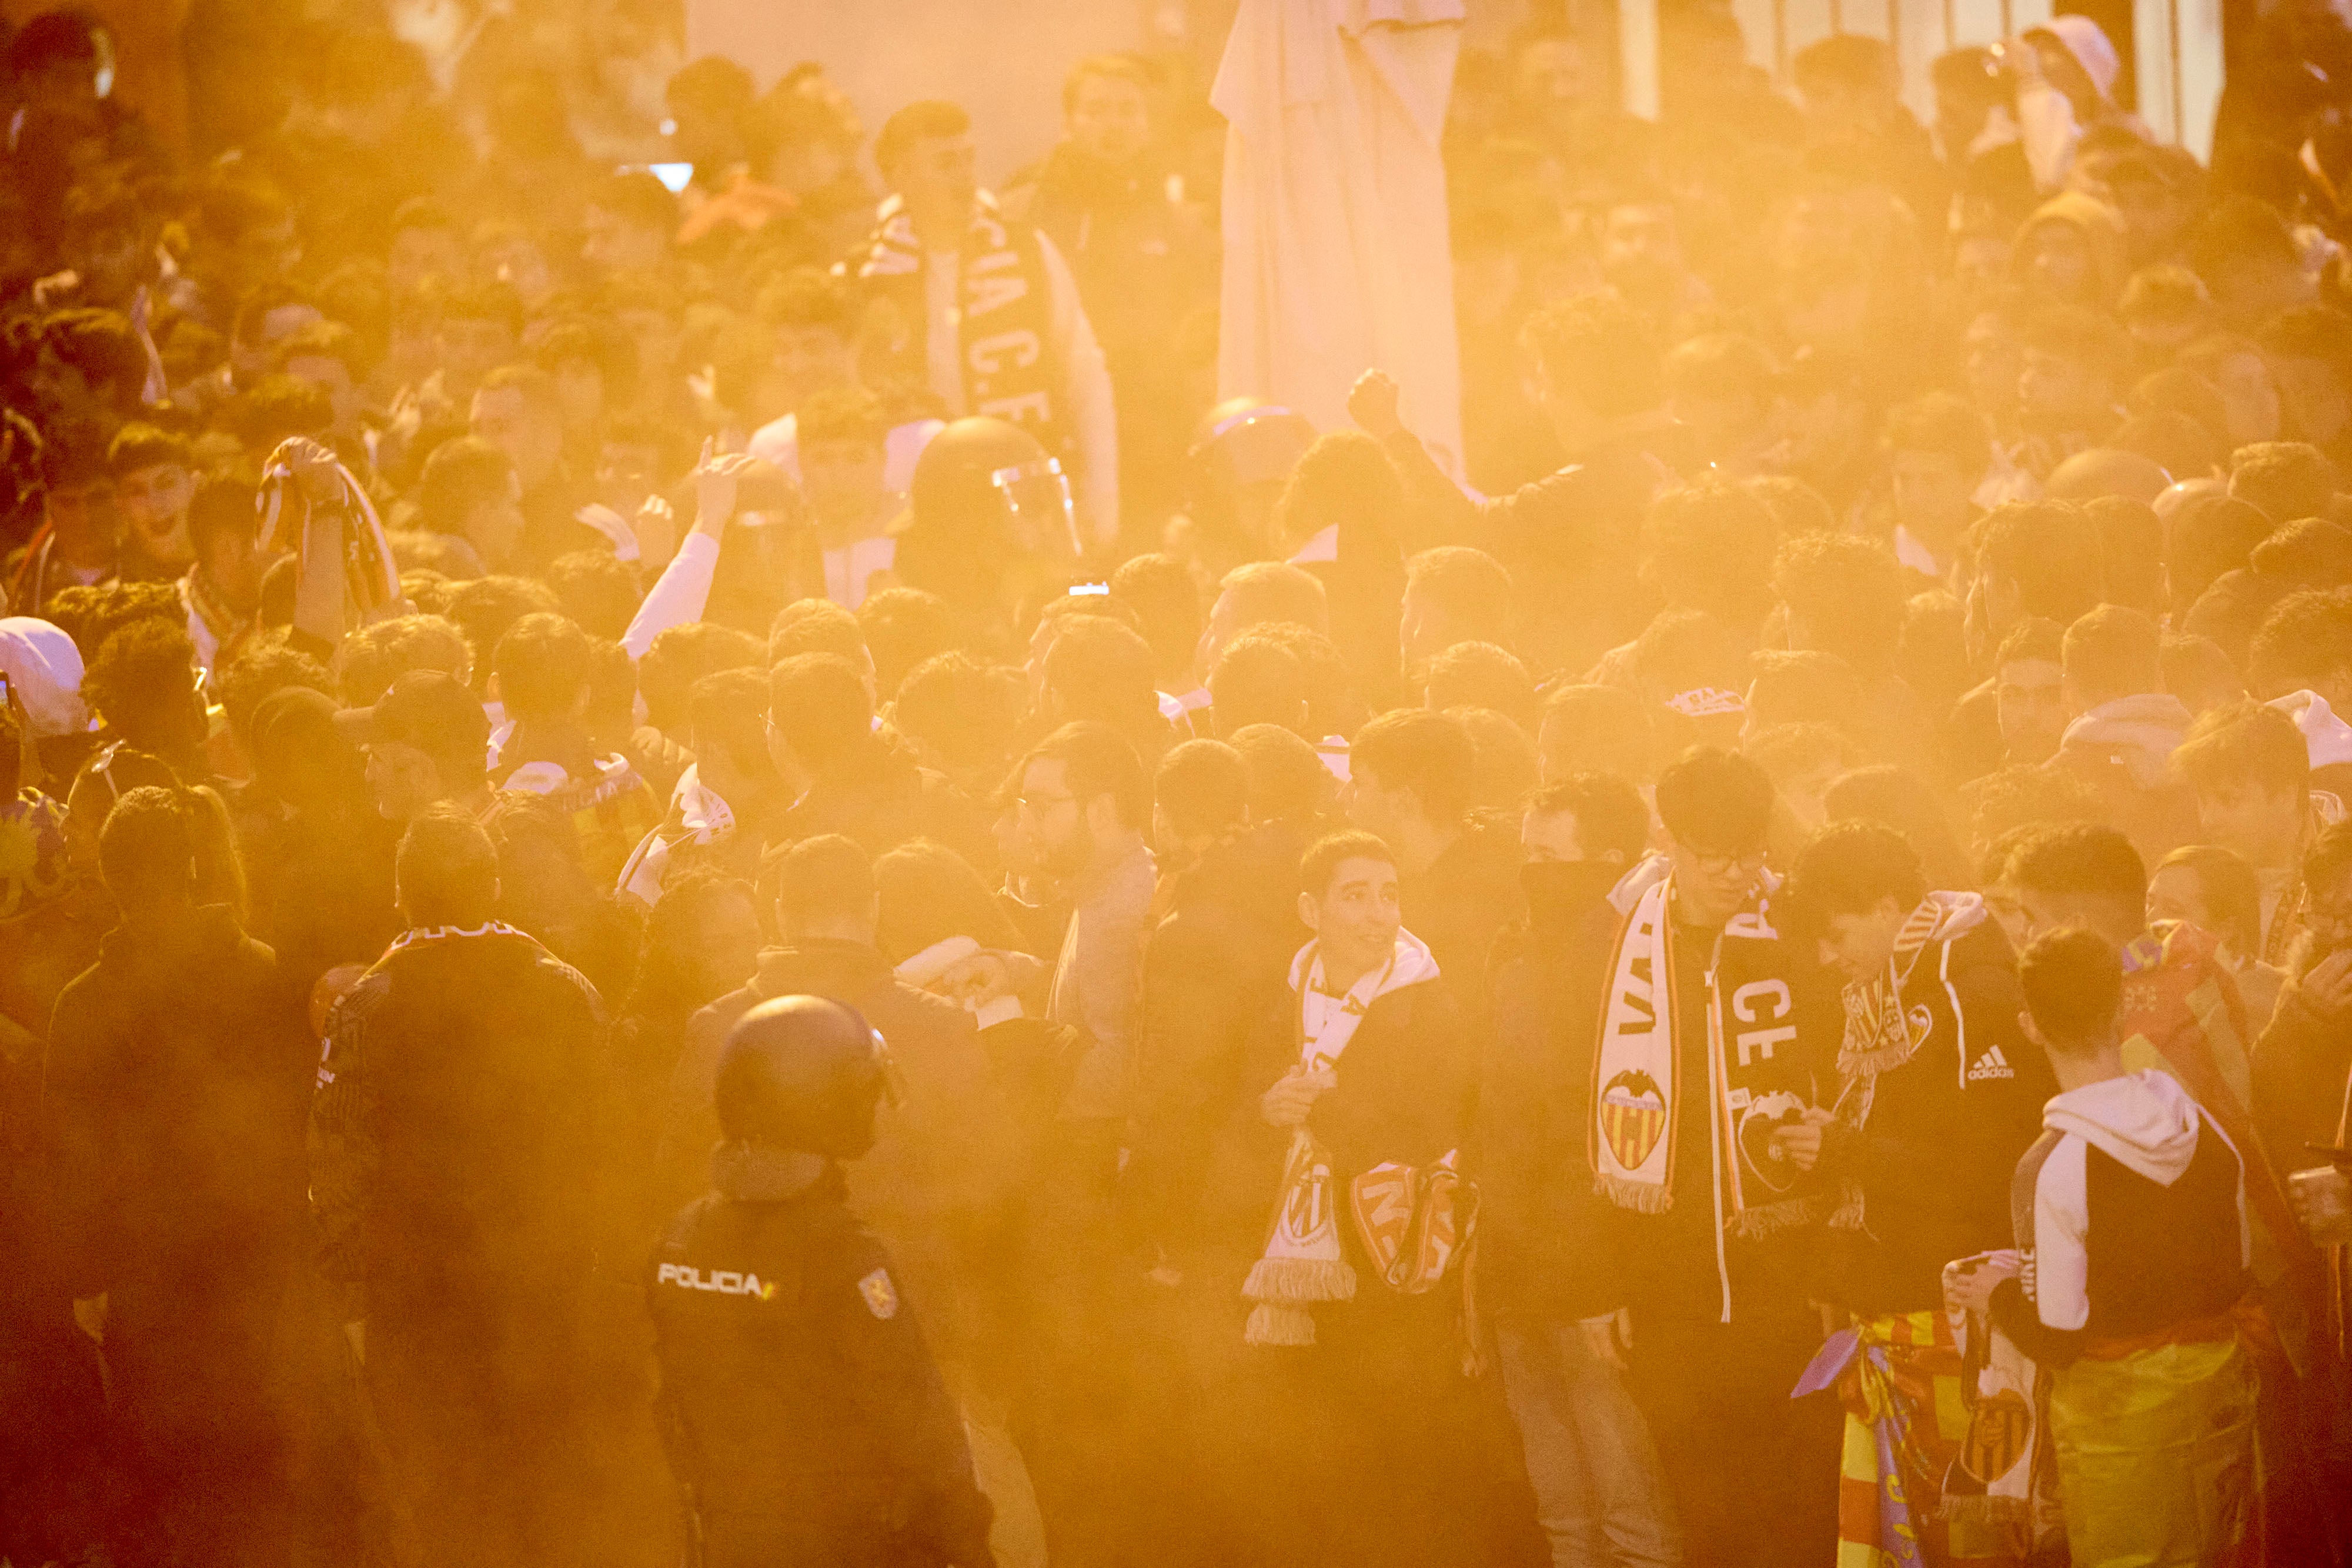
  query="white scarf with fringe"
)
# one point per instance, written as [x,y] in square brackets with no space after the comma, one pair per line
[1303,1263]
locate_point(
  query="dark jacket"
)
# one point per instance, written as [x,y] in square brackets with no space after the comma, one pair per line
[1217,998]
[459,1139]
[173,1098]
[943,1161]
[1461,901]
[1549,1247]
[799,1399]
[1404,1088]
[2303,1082]
[1945,1132]
[1403,1094]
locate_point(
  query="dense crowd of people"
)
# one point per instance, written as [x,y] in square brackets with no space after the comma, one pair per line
[695,858]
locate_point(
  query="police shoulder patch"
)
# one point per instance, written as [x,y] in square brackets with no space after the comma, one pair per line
[881,1295]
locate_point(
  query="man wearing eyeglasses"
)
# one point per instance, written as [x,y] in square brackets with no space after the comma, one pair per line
[1712,1035]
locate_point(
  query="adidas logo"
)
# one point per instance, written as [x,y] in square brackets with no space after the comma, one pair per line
[1991,1064]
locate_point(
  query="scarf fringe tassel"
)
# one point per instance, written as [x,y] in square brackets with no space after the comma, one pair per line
[1641,1197]
[1299,1282]
[1270,1324]
[1771,1218]
[1986,1510]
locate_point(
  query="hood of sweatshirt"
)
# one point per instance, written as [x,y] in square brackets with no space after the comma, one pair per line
[2144,730]
[2143,1120]
[2324,734]
[2102,228]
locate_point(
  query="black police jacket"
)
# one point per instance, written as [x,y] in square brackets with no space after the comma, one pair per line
[800,1403]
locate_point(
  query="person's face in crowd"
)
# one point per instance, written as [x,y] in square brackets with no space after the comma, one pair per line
[1224,624]
[2265,826]
[1384,811]
[726,945]
[267,250]
[2178,893]
[61,87]
[402,779]
[937,176]
[1821,430]
[1805,793]
[811,358]
[2057,391]
[1550,838]
[1932,494]
[1860,946]
[233,564]
[2029,696]
[1712,881]
[1063,828]
[612,243]
[2154,215]
[471,348]
[86,520]
[539,889]
[579,389]
[1357,917]
[2058,262]
[1995,365]
[332,377]
[1016,843]
[1845,112]
[2314,399]
[1424,629]
[628,472]
[113,260]
[2163,332]
[1557,83]
[655,335]
[518,262]
[435,27]
[494,526]
[1979,265]
[154,501]
[531,435]
[2328,917]
[2250,399]
[1731,433]
[250,355]
[1110,122]
[418,254]
[843,479]
[1639,249]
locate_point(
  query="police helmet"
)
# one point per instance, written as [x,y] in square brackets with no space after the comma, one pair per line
[801,1072]
[990,472]
[1241,456]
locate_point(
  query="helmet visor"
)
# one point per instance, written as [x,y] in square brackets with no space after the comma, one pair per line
[1037,507]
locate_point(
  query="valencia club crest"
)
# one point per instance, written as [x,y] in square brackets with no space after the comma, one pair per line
[1632,1116]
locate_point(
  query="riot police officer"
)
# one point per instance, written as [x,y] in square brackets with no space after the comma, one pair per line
[804,1413]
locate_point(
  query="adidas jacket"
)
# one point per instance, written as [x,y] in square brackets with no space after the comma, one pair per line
[1945,1132]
